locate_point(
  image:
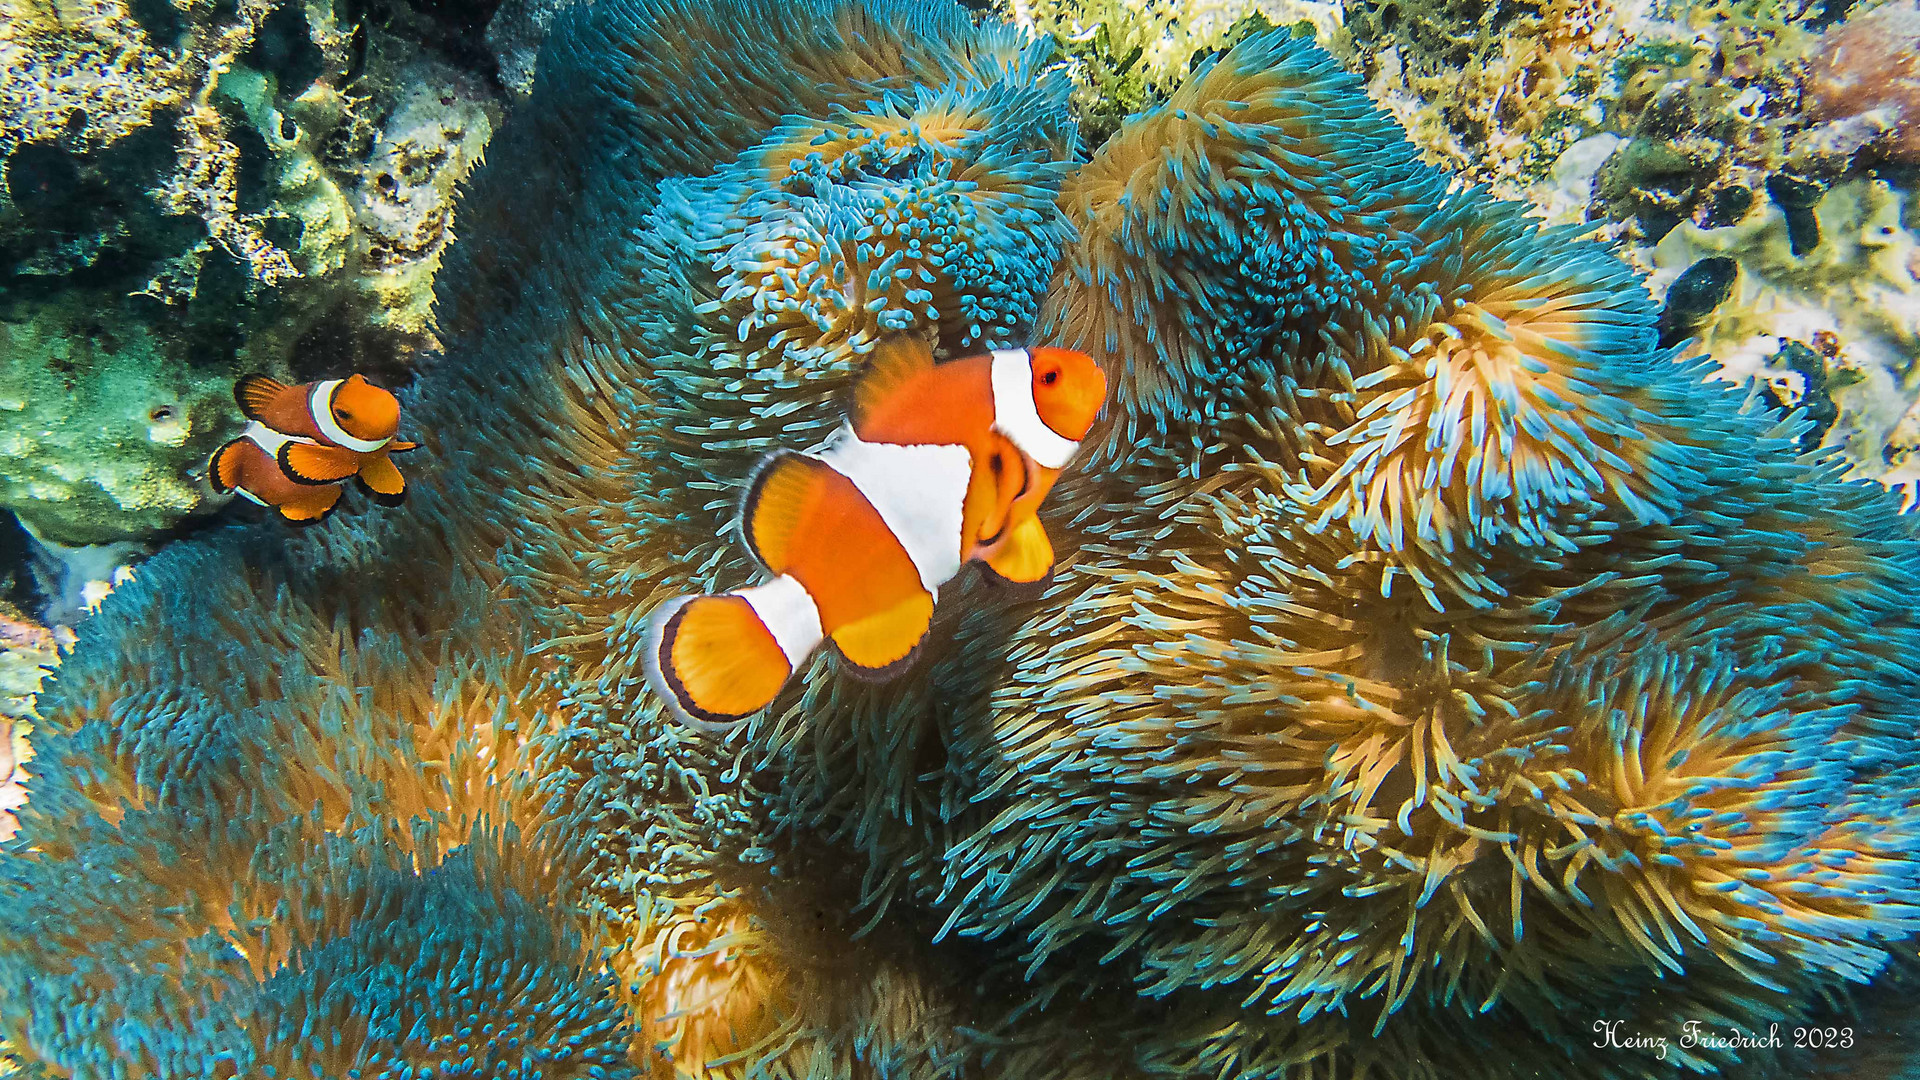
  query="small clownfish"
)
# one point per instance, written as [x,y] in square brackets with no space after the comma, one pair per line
[938,465]
[305,441]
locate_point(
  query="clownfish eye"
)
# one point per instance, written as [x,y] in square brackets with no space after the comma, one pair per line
[342,414]
[1050,378]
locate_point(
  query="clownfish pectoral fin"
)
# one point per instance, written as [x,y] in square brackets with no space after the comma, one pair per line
[401,446]
[253,393]
[716,660]
[782,496]
[310,509]
[311,463]
[379,478]
[1024,555]
[879,646]
[896,360]
[223,469]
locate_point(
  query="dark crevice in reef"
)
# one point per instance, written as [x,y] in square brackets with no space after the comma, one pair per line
[18,587]
[455,29]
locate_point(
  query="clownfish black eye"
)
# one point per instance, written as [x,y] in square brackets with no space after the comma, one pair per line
[1050,378]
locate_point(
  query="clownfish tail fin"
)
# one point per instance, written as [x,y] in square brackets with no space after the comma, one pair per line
[895,361]
[716,660]
[223,469]
[254,392]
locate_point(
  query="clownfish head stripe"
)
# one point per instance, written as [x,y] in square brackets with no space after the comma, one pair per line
[320,405]
[1016,416]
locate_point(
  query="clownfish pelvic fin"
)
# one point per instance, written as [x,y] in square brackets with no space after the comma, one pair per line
[380,479]
[1024,555]
[716,660]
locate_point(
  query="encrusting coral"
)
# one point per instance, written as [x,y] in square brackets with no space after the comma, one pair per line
[1434,663]
[191,192]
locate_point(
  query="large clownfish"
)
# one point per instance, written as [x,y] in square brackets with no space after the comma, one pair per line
[305,441]
[938,465]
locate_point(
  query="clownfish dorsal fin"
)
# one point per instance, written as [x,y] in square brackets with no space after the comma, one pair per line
[1024,555]
[782,496]
[254,393]
[895,361]
[879,645]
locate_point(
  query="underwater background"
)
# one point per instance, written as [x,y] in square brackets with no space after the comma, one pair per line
[1485,640]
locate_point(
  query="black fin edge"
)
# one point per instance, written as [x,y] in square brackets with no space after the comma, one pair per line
[293,475]
[1000,581]
[246,380]
[380,497]
[306,523]
[879,674]
[681,697]
[213,466]
[750,502]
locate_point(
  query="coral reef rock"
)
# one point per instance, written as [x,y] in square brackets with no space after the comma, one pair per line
[103,433]
[1434,663]
[1866,75]
[189,192]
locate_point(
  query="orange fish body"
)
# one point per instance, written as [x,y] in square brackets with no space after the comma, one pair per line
[939,465]
[305,441]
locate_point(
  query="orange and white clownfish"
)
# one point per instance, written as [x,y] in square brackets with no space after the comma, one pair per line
[938,465]
[304,441]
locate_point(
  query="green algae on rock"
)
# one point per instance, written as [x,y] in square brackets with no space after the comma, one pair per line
[1434,663]
[103,430]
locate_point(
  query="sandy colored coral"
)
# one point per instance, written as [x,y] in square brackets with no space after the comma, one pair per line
[1854,296]
[1869,68]
[102,430]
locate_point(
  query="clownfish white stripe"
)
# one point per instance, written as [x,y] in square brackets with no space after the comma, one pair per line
[1016,416]
[320,405]
[919,492]
[270,440]
[789,614]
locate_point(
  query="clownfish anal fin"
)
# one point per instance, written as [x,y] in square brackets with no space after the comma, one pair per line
[254,392]
[310,463]
[781,497]
[379,478]
[879,646]
[1024,555]
[223,469]
[310,509]
[895,361]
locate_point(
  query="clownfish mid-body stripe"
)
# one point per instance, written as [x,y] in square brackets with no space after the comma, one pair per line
[270,440]
[918,491]
[320,406]
[1016,416]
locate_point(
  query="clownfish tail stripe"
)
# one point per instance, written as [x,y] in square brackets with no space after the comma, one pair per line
[716,660]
